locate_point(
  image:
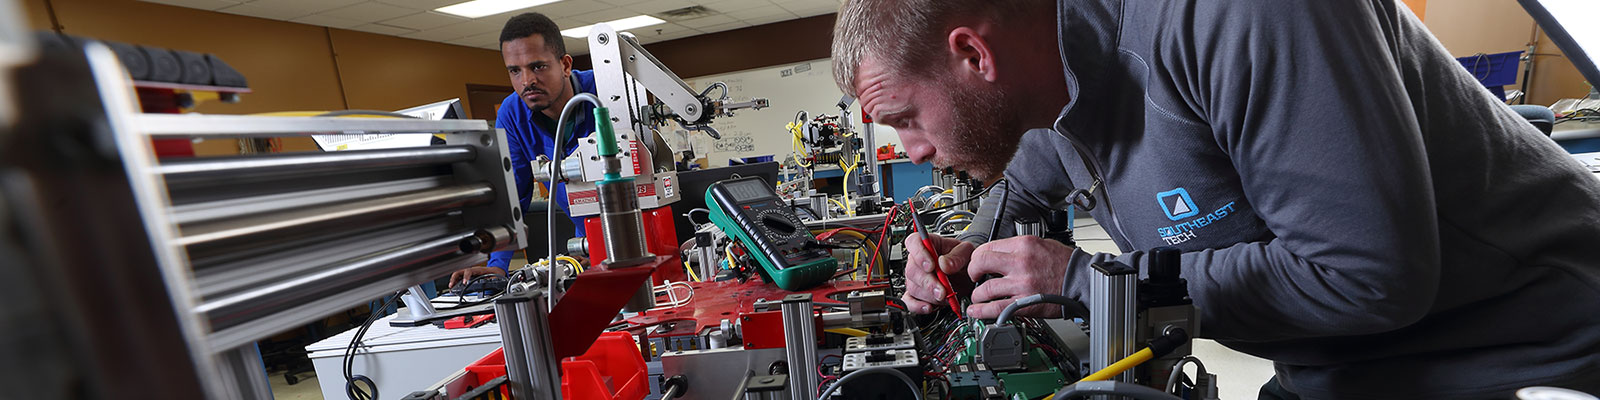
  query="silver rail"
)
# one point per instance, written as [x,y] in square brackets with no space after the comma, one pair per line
[203,170]
[162,126]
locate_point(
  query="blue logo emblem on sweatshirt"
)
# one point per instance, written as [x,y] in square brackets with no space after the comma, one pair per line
[1177,204]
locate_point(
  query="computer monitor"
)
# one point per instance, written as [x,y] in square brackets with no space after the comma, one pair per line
[1572,25]
[694,184]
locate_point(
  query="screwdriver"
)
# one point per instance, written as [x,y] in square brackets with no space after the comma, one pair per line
[944,281]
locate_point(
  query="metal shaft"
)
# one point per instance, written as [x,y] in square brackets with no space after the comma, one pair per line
[202,170]
[800,344]
[1113,306]
[253,229]
[531,365]
[275,297]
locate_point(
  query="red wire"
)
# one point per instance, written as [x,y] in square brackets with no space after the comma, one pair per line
[882,238]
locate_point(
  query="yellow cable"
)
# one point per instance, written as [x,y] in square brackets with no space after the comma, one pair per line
[799,149]
[848,211]
[857,263]
[1121,365]
[730,256]
[836,202]
[692,276]
[848,331]
[574,261]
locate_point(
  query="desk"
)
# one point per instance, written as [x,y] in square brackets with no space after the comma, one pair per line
[1577,136]
[401,360]
[1591,160]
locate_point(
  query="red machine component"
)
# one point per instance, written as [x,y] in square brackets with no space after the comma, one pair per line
[590,304]
[174,98]
[764,330]
[732,300]
[661,239]
[613,361]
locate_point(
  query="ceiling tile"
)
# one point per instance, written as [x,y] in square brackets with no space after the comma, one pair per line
[661,29]
[456,31]
[657,6]
[494,22]
[421,4]
[610,14]
[622,2]
[424,20]
[324,20]
[702,22]
[759,12]
[770,19]
[200,4]
[724,27]
[812,12]
[568,8]
[369,12]
[725,6]
[382,29]
[263,11]
[810,8]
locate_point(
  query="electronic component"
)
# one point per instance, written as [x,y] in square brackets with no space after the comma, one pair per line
[749,210]
[879,341]
[880,358]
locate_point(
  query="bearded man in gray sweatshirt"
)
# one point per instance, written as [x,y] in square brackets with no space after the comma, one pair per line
[1350,202]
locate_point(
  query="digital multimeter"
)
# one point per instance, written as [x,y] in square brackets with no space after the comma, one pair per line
[748,210]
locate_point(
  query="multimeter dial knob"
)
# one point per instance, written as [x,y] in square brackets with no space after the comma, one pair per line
[778,224]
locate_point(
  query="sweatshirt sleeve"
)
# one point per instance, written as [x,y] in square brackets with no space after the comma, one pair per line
[1305,97]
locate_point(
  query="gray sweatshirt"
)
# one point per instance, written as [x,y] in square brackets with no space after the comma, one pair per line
[1351,203]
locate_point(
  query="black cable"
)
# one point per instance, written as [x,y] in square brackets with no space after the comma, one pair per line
[1005,195]
[1071,306]
[351,389]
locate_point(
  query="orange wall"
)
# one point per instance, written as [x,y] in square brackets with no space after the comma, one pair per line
[34,10]
[1468,27]
[390,73]
[290,66]
[1418,7]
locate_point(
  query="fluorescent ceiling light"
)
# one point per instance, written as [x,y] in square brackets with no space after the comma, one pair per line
[619,25]
[480,8]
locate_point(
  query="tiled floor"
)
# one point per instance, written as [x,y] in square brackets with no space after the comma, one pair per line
[1239,375]
[306,389]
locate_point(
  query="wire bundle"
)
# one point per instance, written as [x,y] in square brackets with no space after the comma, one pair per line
[351,389]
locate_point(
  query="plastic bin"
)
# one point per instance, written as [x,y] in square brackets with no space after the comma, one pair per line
[1494,71]
[613,358]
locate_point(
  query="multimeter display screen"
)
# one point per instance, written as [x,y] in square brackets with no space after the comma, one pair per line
[749,190]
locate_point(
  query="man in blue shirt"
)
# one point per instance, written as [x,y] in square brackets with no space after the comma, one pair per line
[541,73]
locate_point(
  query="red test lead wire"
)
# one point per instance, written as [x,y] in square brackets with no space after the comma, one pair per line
[944,280]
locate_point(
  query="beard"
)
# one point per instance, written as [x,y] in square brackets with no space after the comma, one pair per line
[985,134]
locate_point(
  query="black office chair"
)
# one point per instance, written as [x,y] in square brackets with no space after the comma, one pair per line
[1540,116]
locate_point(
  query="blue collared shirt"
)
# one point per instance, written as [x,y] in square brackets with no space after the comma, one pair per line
[531,134]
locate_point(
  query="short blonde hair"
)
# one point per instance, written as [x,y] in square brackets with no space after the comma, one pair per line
[905,34]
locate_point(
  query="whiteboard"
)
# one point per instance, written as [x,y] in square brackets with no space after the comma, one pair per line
[789,88]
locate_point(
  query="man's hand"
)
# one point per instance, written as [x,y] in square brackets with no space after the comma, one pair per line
[1027,265]
[923,292]
[460,278]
